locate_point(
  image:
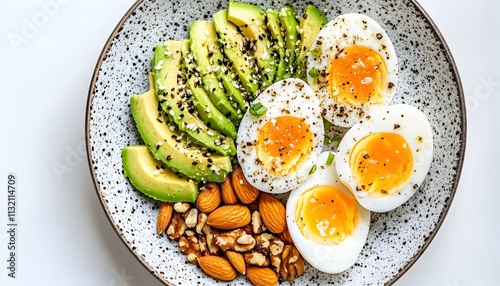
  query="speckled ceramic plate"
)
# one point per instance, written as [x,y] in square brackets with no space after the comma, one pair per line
[428,79]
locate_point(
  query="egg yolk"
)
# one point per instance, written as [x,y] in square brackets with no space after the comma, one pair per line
[381,163]
[326,215]
[358,75]
[283,144]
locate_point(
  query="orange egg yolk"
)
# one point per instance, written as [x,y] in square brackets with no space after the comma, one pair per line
[326,215]
[358,75]
[381,163]
[283,144]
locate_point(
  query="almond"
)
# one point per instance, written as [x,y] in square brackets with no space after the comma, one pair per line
[244,191]
[227,192]
[262,276]
[286,237]
[217,267]
[229,217]
[272,213]
[237,261]
[164,216]
[208,199]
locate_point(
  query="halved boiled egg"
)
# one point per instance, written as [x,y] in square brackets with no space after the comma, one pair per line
[384,158]
[277,150]
[328,226]
[352,67]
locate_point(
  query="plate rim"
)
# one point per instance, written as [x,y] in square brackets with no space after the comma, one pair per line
[463,138]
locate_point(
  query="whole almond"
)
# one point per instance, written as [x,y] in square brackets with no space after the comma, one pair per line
[262,276]
[227,192]
[217,267]
[242,188]
[164,216]
[208,199]
[272,213]
[229,217]
[237,260]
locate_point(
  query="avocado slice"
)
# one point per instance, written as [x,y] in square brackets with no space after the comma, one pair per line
[251,21]
[166,68]
[203,35]
[199,44]
[207,111]
[233,45]
[310,24]
[170,145]
[154,179]
[274,26]
[289,22]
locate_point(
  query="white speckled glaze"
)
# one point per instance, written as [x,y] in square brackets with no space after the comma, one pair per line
[428,79]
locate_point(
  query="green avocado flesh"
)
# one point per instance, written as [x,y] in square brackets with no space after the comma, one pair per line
[251,21]
[166,67]
[207,111]
[172,146]
[154,179]
[289,23]
[233,45]
[274,26]
[310,24]
[203,35]
[200,48]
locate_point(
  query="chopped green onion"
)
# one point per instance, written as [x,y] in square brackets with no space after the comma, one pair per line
[314,73]
[257,109]
[313,169]
[327,140]
[329,161]
[336,138]
[328,125]
[316,52]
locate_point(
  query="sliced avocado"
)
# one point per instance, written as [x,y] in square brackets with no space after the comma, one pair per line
[310,24]
[251,21]
[207,111]
[199,44]
[170,145]
[154,179]
[203,35]
[166,68]
[274,26]
[289,23]
[233,45]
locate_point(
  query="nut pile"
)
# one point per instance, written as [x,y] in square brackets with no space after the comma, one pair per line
[234,228]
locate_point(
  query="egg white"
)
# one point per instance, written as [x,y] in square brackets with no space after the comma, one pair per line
[347,30]
[404,120]
[286,97]
[327,258]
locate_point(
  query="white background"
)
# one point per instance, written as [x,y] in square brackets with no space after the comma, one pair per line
[64,237]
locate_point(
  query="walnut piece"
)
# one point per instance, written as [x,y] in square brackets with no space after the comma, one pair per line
[257,226]
[263,242]
[210,234]
[191,218]
[229,240]
[256,258]
[190,246]
[200,223]
[181,207]
[176,227]
[292,263]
